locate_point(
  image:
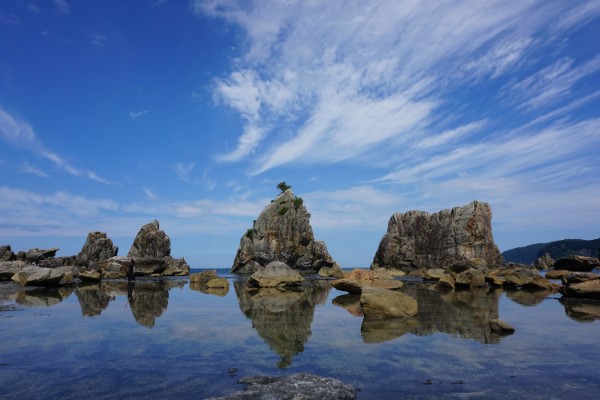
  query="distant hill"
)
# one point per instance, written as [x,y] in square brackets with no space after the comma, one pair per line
[557,249]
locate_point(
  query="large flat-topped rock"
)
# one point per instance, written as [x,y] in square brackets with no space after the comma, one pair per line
[418,239]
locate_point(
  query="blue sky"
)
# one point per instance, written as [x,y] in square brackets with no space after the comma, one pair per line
[114,113]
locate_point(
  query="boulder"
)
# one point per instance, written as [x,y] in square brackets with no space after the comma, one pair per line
[445,283]
[275,274]
[218,283]
[56,262]
[470,278]
[356,280]
[556,274]
[90,276]
[175,267]
[585,289]
[97,247]
[9,268]
[34,255]
[6,253]
[32,275]
[578,277]
[203,277]
[417,239]
[380,303]
[331,272]
[519,276]
[577,264]
[434,274]
[500,327]
[283,233]
[462,265]
[544,262]
[150,242]
[294,387]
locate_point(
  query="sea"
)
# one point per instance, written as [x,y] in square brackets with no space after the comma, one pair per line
[165,338]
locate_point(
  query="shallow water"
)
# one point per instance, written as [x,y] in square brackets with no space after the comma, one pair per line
[167,339]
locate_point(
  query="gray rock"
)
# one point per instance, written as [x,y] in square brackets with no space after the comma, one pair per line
[9,268]
[275,274]
[37,276]
[6,253]
[34,255]
[577,264]
[380,303]
[283,233]
[97,247]
[151,242]
[175,267]
[544,262]
[295,387]
[586,289]
[417,239]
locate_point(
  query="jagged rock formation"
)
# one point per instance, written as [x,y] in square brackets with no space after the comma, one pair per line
[151,252]
[97,247]
[283,233]
[6,253]
[151,241]
[417,239]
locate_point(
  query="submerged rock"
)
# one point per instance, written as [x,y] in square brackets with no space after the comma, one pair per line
[295,387]
[283,233]
[417,239]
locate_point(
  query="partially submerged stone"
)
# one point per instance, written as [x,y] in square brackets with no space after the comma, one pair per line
[331,272]
[577,264]
[298,386]
[445,283]
[380,303]
[356,280]
[470,278]
[9,268]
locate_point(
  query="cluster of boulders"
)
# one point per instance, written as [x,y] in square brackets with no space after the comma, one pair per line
[150,255]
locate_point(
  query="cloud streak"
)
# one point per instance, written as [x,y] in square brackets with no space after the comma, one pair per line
[20,134]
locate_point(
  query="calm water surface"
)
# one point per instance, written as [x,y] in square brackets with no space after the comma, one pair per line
[166,339]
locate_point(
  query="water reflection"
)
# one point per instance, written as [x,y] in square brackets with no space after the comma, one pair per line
[40,297]
[148,299]
[282,317]
[527,297]
[464,313]
[581,310]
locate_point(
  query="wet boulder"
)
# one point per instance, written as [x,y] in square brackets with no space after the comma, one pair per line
[356,280]
[577,264]
[9,268]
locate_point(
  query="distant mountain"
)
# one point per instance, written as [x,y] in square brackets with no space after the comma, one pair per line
[557,249]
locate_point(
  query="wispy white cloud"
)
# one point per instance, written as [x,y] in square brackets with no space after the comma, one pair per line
[97,39]
[30,169]
[136,114]
[184,171]
[363,75]
[62,6]
[20,134]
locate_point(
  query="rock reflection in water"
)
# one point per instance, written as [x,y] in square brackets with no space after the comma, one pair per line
[581,310]
[148,299]
[465,313]
[221,292]
[527,297]
[282,317]
[41,297]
